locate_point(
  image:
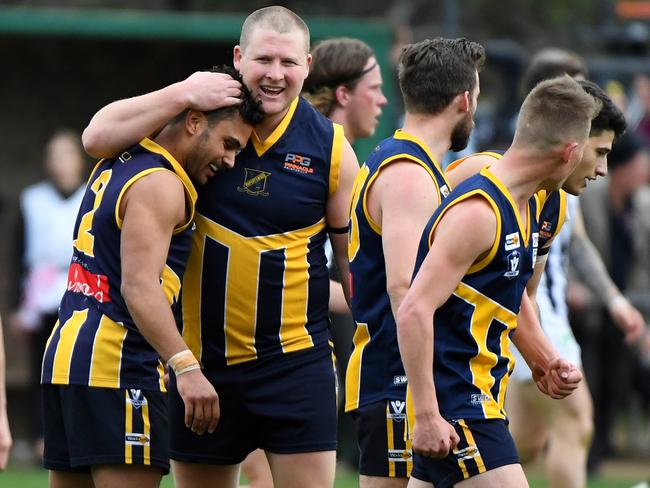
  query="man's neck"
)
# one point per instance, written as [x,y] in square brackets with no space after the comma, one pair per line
[434,131]
[265,128]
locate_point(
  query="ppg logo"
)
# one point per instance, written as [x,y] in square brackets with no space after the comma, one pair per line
[297,159]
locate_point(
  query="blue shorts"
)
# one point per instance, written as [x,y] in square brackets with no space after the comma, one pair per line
[283,404]
[380,432]
[484,445]
[86,426]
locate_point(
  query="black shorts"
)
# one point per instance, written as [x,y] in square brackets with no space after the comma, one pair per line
[283,404]
[380,432]
[87,426]
[484,445]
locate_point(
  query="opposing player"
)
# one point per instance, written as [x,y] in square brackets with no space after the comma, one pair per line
[396,192]
[105,405]
[474,281]
[256,287]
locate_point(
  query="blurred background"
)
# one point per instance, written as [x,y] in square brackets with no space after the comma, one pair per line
[63,60]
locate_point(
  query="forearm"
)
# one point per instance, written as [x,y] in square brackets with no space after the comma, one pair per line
[338,303]
[152,315]
[530,339]
[125,122]
[340,249]
[3,377]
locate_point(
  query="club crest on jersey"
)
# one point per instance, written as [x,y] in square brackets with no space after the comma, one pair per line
[255,182]
[298,164]
[512,241]
[513,260]
[546,230]
[396,410]
[137,398]
[444,191]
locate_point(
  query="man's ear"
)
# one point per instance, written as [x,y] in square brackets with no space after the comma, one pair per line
[570,152]
[195,122]
[237,54]
[464,101]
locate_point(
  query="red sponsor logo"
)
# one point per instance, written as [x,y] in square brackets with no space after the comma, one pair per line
[80,280]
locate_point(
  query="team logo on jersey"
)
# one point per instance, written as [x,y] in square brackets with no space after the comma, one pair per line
[444,191]
[137,398]
[80,280]
[396,410]
[546,230]
[467,453]
[298,164]
[512,241]
[135,439]
[400,455]
[535,245]
[479,399]
[255,182]
[399,380]
[513,264]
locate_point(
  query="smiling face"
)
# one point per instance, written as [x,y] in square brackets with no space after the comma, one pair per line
[592,164]
[274,66]
[366,101]
[215,147]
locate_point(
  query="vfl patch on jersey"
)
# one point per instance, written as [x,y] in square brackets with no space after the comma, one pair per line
[512,241]
[134,439]
[255,182]
[136,398]
[400,455]
[513,264]
[444,191]
[399,380]
[396,410]
[546,229]
[298,164]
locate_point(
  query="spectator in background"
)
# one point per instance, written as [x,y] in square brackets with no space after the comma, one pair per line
[48,208]
[617,218]
[5,433]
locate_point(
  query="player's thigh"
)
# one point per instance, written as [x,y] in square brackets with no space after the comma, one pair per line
[574,412]
[417,483]
[126,476]
[382,482]
[62,479]
[509,476]
[195,475]
[313,469]
[257,470]
[527,413]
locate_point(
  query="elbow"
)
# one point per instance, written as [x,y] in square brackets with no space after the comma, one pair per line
[405,319]
[92,138]
[131,288]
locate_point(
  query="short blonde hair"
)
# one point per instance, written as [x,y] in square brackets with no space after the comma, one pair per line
[555,112]
[276,18]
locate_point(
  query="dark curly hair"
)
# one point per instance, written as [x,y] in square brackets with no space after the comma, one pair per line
[610,117]
[250,109]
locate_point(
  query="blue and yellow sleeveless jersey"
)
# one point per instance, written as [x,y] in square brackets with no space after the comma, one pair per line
[472,358]
[257,283]
[95,341]
[375,370]
[552,208]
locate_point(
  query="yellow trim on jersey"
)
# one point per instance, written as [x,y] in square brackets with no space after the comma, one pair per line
[94,170]
[405,136]
[127,185]
[335,158]
[171,284]
[244,255]
[262,147]
[409,462]
[485,311]
[390,439]
[65,347]
[179,171]
[353,373]
[128,428]
[525,231]
[561,213]
[354,236]
[106,359]
[402,156]
[479,265]
[480,464]
[161,375]
[147,434]
[454,164]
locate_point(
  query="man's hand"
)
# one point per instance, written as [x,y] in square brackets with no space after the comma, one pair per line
[209,91]
[5,440]
[560,379]
[627,318]
[433,436]
[201,402]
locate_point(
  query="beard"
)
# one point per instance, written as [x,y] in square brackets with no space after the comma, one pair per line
[460,134]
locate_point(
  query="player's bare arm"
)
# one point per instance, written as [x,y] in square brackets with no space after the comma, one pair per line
[450,256]
[125,122]
[587,261]
[5,432]
[471,165]
[401,200]
[337,214]
[149,220]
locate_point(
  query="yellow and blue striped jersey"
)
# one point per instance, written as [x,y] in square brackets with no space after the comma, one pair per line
[375,370]
[257,282]
[472,358]
[95,341]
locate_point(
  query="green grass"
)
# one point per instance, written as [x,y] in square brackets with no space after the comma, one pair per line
[37,478]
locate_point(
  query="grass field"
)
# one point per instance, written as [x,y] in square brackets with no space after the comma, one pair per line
[35,478]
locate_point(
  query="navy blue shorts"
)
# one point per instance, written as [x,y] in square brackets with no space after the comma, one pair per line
[380,432]
[86,426]
[484,445]
[283,404]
